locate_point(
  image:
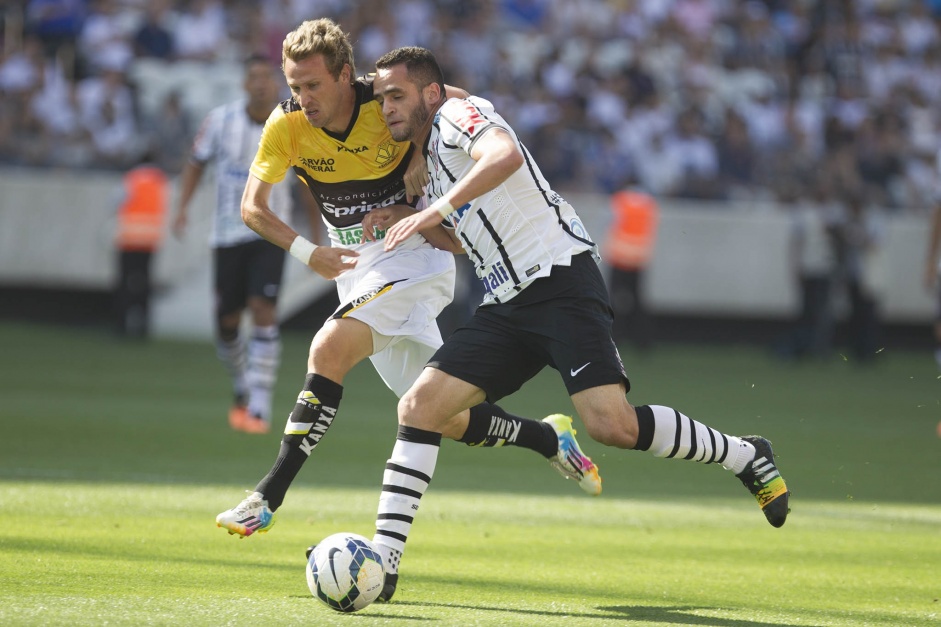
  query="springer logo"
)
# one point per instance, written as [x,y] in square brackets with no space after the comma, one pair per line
[363,207]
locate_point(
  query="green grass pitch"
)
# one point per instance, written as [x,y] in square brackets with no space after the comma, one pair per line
[115,458]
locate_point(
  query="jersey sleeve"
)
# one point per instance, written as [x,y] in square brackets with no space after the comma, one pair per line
[464,121]
[205,145]
[273,158]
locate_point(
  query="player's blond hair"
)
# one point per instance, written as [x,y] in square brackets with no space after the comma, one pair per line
[323,37]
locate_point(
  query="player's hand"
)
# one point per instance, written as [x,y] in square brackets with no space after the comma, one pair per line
[406,227]
[330,262]
[179,225]
[382,218]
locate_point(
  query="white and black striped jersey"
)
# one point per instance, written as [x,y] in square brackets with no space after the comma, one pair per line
[519,230]
[229,138]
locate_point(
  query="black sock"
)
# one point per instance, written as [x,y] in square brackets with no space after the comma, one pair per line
[491,425]
[312,415]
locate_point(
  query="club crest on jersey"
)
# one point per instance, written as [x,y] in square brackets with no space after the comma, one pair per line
[386,152]
[497,277]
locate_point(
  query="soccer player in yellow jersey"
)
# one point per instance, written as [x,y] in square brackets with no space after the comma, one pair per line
[332,134]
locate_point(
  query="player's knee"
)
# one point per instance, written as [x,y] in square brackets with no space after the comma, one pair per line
[227,326]
[263,310]
[415,412]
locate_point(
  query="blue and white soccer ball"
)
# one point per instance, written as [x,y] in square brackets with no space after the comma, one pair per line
[345,572]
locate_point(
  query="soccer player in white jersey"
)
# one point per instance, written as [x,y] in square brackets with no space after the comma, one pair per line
[246,269]
[546,304]
[331,133]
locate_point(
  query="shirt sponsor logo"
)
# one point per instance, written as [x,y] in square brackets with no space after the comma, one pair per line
[318,165]
[354,150]
[497,277]
[469,119]
[351,236]
[363,207]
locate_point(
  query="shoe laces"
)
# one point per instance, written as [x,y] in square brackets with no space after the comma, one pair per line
[250,503]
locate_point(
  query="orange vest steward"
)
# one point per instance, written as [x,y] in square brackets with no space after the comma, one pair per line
[140,218]
[630,240]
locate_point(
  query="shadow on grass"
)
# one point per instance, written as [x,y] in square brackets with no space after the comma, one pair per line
[678,615]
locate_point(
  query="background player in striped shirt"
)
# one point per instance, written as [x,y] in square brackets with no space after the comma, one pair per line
[247,270]
[546,304]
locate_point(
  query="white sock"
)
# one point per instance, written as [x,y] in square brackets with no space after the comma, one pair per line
[673,436]
[406,477]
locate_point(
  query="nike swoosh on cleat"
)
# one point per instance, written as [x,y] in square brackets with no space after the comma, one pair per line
[575,371]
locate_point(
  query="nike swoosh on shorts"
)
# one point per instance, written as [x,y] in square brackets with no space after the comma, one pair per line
[575,371]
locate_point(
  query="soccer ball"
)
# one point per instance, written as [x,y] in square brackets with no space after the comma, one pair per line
[345,572]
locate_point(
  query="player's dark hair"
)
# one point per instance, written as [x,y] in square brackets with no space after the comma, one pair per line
[420,63]
[254,58]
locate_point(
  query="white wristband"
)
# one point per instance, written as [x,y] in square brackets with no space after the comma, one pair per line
[302,249]
[443,207]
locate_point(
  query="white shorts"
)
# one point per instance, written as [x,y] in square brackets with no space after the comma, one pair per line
[399,296]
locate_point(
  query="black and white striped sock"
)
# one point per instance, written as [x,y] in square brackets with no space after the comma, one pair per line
[407,475]
[665,432]
[264,357]
[233,352]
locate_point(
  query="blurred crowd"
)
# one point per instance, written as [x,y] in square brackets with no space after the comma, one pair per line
[784,100]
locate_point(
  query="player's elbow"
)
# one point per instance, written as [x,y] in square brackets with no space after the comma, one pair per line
[249,213]
[512,159]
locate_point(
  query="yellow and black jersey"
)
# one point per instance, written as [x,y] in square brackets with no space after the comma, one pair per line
[348,173]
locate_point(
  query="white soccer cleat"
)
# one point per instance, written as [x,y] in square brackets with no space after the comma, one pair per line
[249,516]
[569,460]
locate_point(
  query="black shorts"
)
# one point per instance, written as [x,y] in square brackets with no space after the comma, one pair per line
[246,270]
[563,320]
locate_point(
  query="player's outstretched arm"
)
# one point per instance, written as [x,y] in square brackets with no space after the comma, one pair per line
[383,218]
[443,239]
[326,261]
[497,158]
[406,227]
